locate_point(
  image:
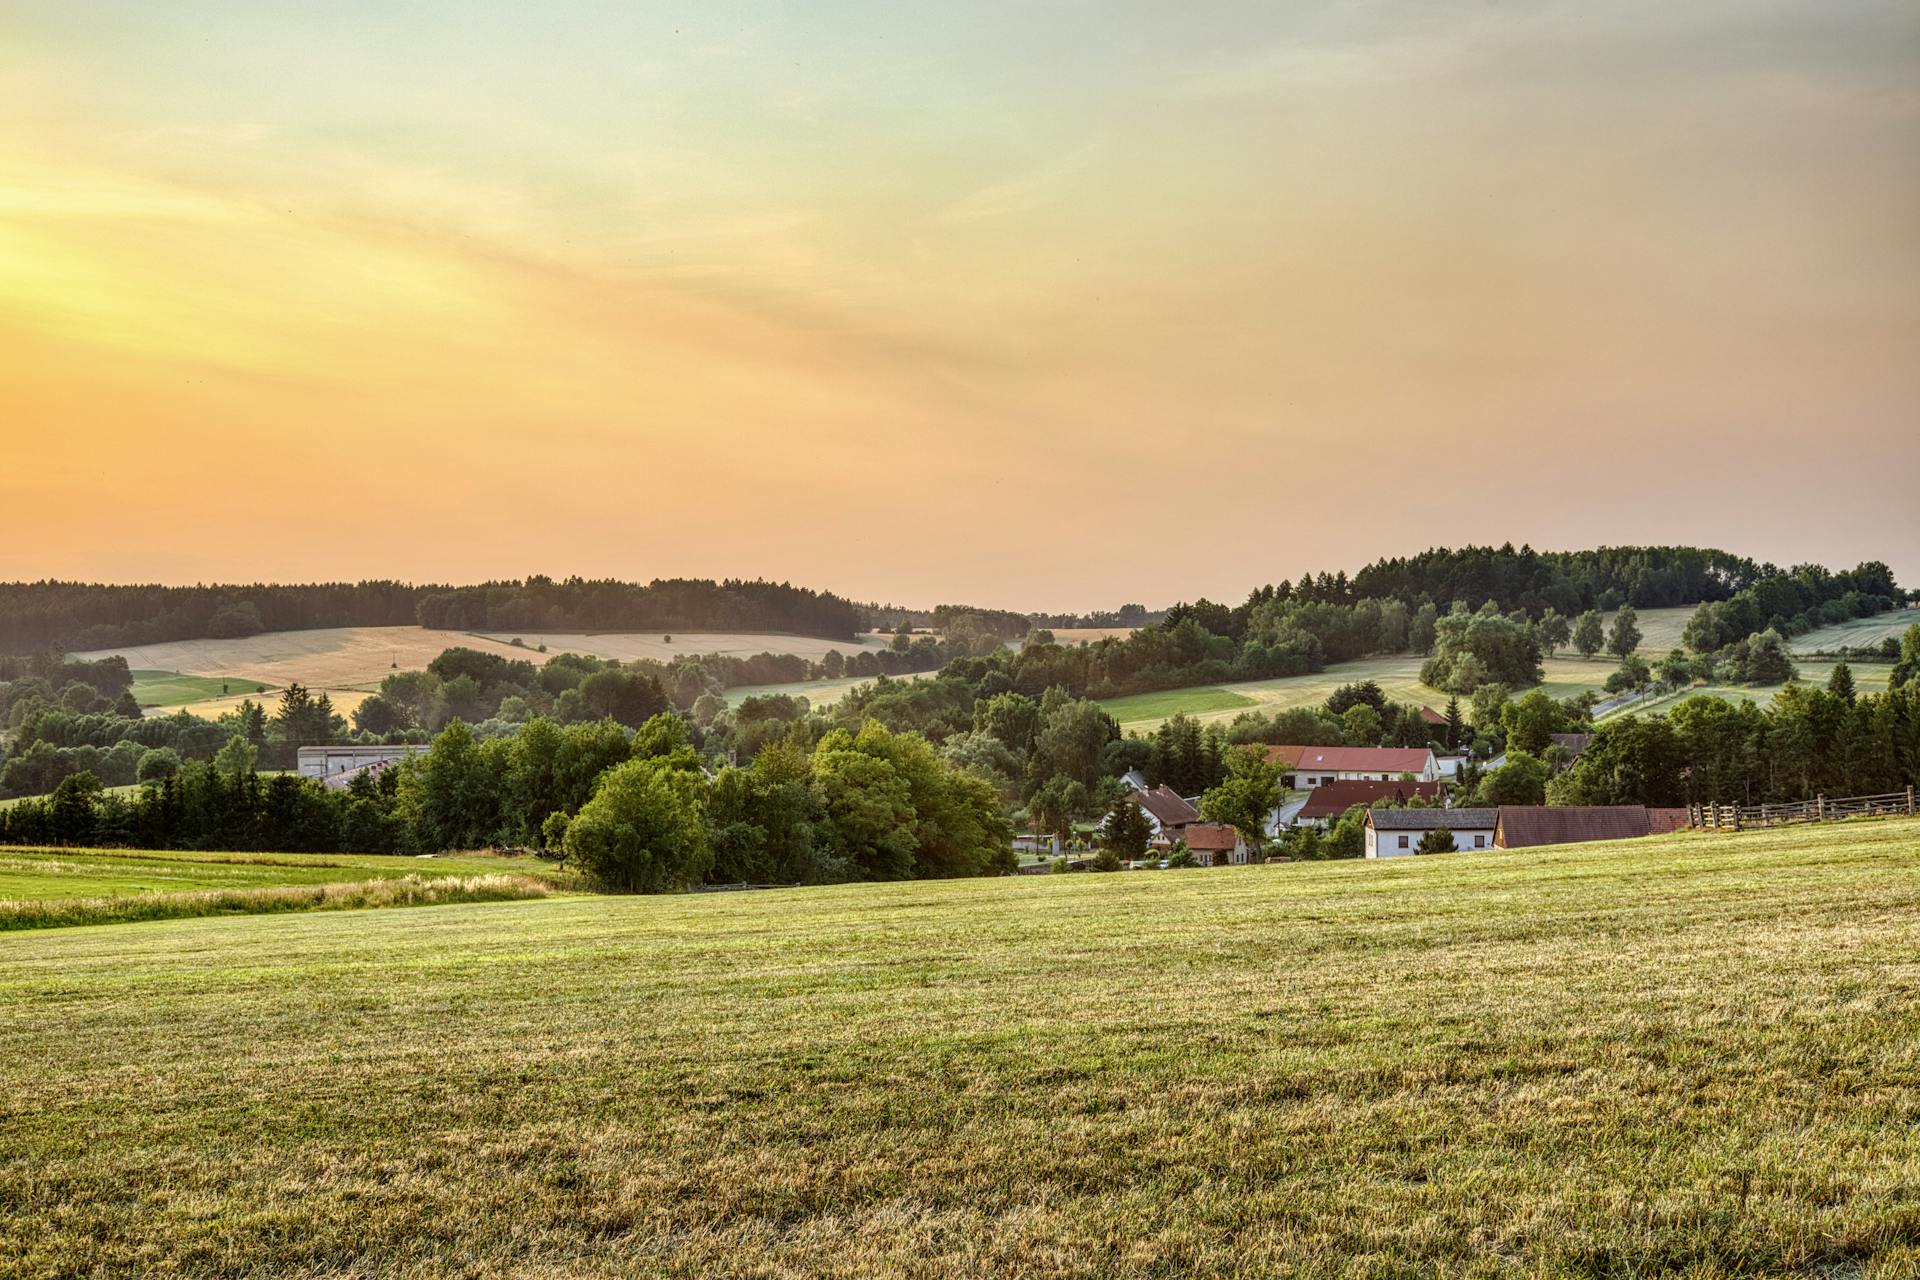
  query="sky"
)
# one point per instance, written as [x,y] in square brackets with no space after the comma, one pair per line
[1048,305]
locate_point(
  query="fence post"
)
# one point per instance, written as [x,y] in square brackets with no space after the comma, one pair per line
[1819,808]
[1736,817]
[1909,799]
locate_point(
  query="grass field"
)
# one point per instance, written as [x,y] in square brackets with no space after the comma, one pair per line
[127,790]
[36,874]
[1694,1055]
[1398,676]
[1860,633]
[1139,708]
[818,693]
[1866,679]
[347,663]
[627,646]
[171,689]
[1659,629]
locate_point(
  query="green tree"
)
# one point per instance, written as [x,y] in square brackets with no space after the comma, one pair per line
[1531,720]
[1248,794]
[1521,780]
[1455,723]
[643,831]
[1588,636]
[1624,636]
[1361,725]
[1126,831]
[1554,631]
[1437,840]
[236,759]
[1840,683]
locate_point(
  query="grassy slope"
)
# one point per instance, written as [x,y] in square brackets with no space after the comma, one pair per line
[85,873]
[1398,676]
[1859,633]
[1700,1052]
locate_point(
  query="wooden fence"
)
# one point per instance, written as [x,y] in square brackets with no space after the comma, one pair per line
[1736,817]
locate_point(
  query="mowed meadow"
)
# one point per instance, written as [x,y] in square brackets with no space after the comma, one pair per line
[1697,1054]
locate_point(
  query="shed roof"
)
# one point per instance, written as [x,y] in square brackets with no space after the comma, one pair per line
[1524,826]
[1429,819]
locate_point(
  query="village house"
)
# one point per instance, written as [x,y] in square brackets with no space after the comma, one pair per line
[1308,767]
[1168,812]
[1216,844]
[1324,804]
[1396,833]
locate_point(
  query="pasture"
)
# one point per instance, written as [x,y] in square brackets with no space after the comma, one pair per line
[654,645]
[1398,676]
[1859,633]
[1867,678]
[1695,1054]
[171,689]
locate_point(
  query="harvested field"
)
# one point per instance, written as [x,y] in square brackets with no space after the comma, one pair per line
[629,645]
[1691,1055]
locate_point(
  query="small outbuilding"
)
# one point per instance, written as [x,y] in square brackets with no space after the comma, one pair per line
[1397,833]
[1527,826]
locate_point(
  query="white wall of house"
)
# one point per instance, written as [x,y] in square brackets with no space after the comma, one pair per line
[1400,844]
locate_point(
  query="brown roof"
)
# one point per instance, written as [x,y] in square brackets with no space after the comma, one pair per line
[1212,837]
[1662,821]
[1352,759]
[1167,806]
[1524,826]
[1431,716]
[1331,799]
[1574,743]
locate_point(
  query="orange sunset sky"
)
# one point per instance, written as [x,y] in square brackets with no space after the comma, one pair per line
[1047,305]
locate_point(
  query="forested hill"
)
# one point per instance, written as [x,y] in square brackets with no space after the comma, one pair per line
[1566,581]
[78,616]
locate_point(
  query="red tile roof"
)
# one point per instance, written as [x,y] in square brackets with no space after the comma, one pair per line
[1431,716]
[1212,837]
[1394,760]
[1331,799]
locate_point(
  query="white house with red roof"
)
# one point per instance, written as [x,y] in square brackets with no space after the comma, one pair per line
[1308,767]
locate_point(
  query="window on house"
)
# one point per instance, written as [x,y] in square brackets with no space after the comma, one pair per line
[1479,842]
[1403,842]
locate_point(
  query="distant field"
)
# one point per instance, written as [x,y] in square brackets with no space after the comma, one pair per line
[171,689]
[1695,1055]
[1867,678]
[1659,628]
[347,663]
[127,790]
[1140,707]
[818,693]
[1398,677]
[1860,633]
[1077,635]
[627,646]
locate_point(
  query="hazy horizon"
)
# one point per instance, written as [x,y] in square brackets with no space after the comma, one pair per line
[1050,307]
